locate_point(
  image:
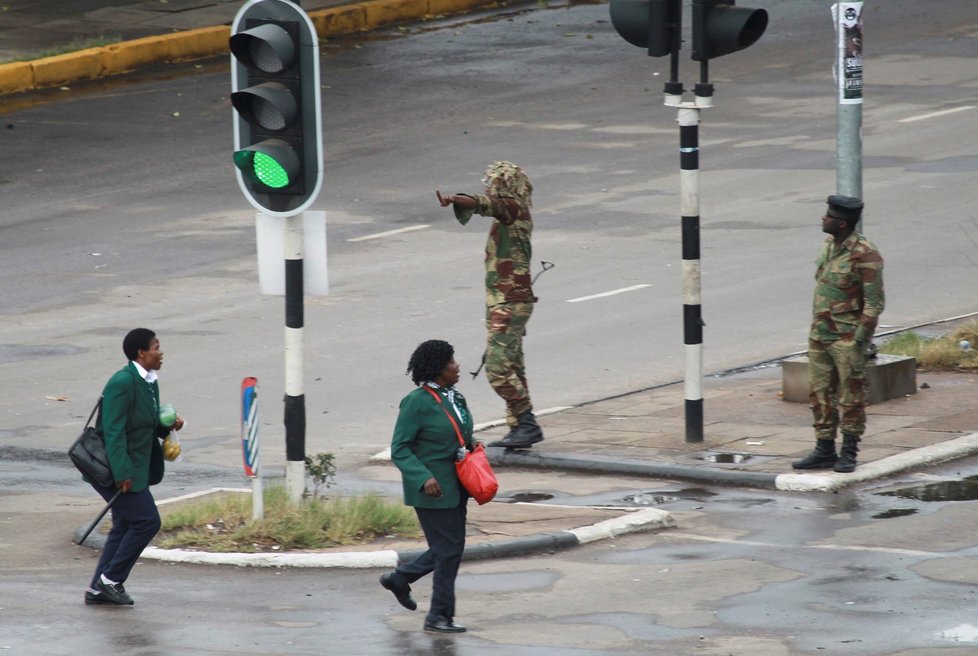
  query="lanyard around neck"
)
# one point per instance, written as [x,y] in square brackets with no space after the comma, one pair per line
[458,433]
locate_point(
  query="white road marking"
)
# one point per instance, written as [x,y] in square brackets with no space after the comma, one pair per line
[611,293]
[943,112]
[388,233]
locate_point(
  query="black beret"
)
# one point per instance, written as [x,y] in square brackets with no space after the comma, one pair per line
[844,207]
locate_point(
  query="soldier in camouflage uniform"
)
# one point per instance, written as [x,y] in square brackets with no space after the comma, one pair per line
[848,302]
[509,294]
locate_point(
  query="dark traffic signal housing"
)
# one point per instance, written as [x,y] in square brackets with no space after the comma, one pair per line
[720,28]
[276,99]
[651,24]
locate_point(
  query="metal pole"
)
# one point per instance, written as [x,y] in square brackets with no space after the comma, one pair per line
[689,119]
[295,400]
[849,75]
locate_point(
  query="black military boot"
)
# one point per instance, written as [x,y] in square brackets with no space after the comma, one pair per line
[505,438]
[847,454]
[526,434]
[823,457]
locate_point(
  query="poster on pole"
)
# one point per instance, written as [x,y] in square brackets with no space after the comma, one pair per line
[848,18]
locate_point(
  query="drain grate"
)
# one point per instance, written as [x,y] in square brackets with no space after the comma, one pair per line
[726,458]
[648,499]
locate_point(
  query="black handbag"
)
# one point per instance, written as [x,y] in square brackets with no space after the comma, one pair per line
[88,454]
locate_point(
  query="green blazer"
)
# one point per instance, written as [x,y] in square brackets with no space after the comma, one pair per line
[424,445]
[130,422]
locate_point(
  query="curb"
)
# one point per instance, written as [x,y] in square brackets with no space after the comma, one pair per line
[959,447]
[127,56]
[628,466]
[928,455]
[645,519]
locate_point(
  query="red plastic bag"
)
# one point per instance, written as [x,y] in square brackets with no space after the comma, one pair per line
[477,476]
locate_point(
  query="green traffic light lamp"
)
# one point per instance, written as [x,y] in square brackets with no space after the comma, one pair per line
[273,163]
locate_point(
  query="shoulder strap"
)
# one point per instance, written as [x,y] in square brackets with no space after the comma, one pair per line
[437,398]
[98,406]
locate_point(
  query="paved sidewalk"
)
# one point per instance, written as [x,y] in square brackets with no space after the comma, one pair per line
[751,434]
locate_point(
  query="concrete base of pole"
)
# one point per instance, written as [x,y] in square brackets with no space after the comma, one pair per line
[295,480]
[257,499]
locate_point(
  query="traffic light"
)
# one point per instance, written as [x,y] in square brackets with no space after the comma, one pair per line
[651,24]
[276,100]
[720,28]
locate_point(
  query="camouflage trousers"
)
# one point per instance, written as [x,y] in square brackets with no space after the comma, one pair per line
[837,384]
[506,325]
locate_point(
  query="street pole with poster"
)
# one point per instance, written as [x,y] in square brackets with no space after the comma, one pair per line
[848,67]
[251,445]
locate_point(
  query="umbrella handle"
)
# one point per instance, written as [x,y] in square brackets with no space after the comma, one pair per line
[91,527]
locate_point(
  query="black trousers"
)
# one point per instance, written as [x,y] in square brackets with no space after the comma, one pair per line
[135,521]
[444,530]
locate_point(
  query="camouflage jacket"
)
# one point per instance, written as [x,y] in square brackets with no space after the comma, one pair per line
[508,249]
[848,290]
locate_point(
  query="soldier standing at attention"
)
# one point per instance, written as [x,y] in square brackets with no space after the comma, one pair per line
[848,302]
[509,296]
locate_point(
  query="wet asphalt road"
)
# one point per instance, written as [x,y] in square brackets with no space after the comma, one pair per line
[745,572]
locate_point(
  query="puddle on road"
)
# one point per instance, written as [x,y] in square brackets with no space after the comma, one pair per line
[617,499]
[965,489]
[962,633]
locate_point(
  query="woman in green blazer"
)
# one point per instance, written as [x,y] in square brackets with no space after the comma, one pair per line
[130,421]
[424,447]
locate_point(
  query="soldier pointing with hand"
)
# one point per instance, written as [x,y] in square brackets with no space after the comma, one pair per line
[509,293]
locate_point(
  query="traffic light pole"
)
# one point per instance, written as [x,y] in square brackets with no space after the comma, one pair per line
[719,28]
[295,399]
[689,121]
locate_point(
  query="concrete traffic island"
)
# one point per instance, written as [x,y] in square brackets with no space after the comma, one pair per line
[887,377]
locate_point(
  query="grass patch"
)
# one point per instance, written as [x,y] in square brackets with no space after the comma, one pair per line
[938,353]
[225,524]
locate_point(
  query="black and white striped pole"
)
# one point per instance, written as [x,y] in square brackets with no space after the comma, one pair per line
[295,398]
[719,28]
[689,121]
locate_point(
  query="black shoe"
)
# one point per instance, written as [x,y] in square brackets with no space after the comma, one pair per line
[114,593]
[96,599]
[823,457]
[507,436]
[846,463]
[403,595]
[443,625]
[526,434]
